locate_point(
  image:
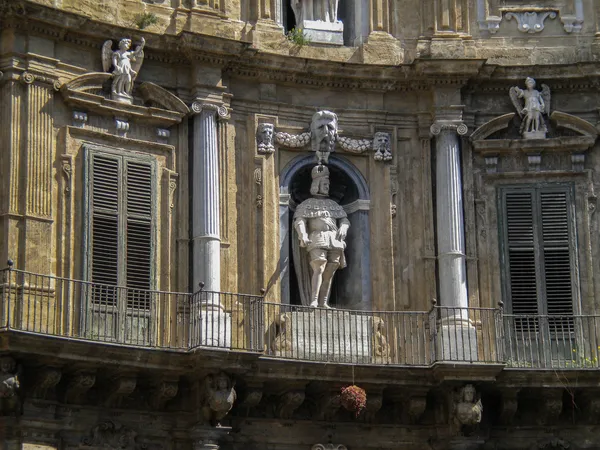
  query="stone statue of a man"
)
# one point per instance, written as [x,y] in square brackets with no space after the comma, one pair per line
[322,226]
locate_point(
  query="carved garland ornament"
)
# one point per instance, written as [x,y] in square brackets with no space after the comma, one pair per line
[323,137]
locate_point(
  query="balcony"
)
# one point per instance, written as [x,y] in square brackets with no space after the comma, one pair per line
[76,310]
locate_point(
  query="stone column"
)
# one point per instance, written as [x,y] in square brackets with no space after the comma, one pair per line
[456,336]
[205,197]
[215,326]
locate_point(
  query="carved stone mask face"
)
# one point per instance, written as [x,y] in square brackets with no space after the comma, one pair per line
[469,395]
[265,133]
[382,140]
[325,129]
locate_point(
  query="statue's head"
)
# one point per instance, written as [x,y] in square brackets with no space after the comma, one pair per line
[468,393]
[320,180]
[381,141]
[125,44]
[222,382]
[323,128]
[529,83]
[264,136]
[7,364]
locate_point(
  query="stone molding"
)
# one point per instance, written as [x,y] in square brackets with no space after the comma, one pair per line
[529,19]
[329,447]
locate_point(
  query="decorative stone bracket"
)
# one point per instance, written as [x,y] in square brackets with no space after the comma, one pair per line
[529,19]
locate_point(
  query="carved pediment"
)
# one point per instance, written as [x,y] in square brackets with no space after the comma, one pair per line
[571,135]
[89,92]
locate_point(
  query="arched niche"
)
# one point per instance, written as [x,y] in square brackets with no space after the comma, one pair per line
[351,287]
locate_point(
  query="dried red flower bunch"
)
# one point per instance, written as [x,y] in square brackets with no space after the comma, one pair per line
[353,398]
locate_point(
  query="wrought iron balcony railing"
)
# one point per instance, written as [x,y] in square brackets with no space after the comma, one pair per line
[80,310]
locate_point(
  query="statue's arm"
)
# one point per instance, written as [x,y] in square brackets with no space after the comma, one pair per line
[300,226]
[343,228]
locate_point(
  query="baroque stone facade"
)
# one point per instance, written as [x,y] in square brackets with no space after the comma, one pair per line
[154,155]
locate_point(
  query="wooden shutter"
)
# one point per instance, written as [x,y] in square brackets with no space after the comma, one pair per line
[105,176]
[121,225]
[539,245]
[521,252]
[139,232]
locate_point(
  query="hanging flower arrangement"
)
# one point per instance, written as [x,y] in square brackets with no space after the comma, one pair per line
[353,398]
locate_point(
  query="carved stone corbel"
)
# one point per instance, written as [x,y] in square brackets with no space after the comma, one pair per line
[374,403]
[251,395]
[409,406]
[217,396]
[118,388]
[288,402]
[78,386]
[10,386]
[45,379]
[509,404]
[162,392]
[550,405]
[327,403]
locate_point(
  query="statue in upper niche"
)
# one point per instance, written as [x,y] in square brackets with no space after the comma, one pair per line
[321,226]
[531,105]
[126,66]
[322,10]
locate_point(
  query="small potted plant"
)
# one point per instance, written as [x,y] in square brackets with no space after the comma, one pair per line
[353,398]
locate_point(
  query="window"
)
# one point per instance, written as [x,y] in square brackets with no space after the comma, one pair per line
[539,255]
[120,250]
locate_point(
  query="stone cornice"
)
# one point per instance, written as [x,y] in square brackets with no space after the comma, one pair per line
[240,59]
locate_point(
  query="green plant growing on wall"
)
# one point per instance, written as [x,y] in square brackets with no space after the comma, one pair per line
[145,20]
[296,36]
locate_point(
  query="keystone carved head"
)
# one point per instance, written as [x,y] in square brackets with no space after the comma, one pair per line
[324,128]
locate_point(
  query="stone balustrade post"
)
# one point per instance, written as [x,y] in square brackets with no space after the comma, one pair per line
[456,337]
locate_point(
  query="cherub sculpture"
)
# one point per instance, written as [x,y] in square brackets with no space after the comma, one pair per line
[531,108]
[218,397]
[382,146]
[264,138]
[467,406]
[126,66]
[9,386]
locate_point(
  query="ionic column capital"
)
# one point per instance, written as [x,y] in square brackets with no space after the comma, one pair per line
[221,110]
[448,125]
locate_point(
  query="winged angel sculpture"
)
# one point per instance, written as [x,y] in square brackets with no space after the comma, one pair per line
[126,65]
[531,104]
